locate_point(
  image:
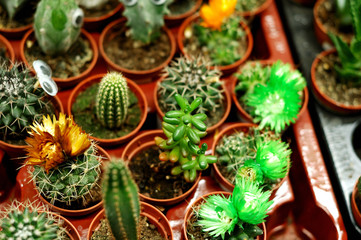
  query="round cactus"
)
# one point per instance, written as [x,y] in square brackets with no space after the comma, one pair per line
[112,100]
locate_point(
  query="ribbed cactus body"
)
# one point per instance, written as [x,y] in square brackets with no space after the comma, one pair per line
[13,6]
[112,100]
[121,202]
[21,102]
[57,25]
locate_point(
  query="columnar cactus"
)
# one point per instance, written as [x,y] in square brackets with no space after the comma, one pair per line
[13,6]
[57,25]
[112,100]
[145,18]
[191,78]
[21,101]
[121,201]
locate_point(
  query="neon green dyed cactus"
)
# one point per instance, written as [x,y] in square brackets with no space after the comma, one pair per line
[12,6]
[57,25]
[121,201]
[145,18]
[112,100]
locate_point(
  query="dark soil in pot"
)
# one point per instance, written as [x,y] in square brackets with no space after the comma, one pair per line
[326,79]
[75,61]
[83,111]
[22,18]
[134,55]
[2,53]
[147,231]
[178,7]
[154,178]
[101,11]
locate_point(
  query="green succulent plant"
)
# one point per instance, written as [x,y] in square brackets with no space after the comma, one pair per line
[13,6]
[237,216]
[184,131]
[350,56]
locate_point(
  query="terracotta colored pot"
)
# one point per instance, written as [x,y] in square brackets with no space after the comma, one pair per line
[189,214]
[70,229]
[227,102]
[176,20]
[61,82]
[15,151]
[355,210]
[227,69]
[322,98]
[144,141]
[80,212]
[154,216]
[94,24]
[142,102]
[137,75]
[256,11]
[9,49]
[15,33]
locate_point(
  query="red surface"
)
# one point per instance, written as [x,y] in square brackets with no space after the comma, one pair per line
[305,206]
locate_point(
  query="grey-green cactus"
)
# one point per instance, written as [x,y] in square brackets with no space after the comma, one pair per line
[145,18]
[13,6]
[73,181]
[121,201]
[112,100]
[24,221]
[57,25]
[191,78]
[21,101]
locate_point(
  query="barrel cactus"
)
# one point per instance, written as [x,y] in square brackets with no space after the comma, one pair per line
[112,100]
[22,101]
[57,25]
[121,201]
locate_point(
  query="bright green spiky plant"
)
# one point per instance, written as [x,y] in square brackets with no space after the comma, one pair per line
[24,221]
[191,78]
[183,131]
[235,217]
[349,71]
[22,101]
[112,100]
[145,18]
[57,25]
[121,201]
[13,6]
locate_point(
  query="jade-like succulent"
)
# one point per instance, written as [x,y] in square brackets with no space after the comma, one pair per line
[121,201]
[237,216]
[91,4]
[350,56]
[22,101]
[183,131]
[13,6]
[191,78]
[112,100]
[145,18]
[24,221]
[57,25]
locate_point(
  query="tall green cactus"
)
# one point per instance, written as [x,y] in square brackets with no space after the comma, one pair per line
[13,6]
[145,18]
[112,100]
[57,25]
[121,201]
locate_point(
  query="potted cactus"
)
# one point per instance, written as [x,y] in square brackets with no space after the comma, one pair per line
[335,74]
[65,165]
[218,35]
[193,78]
[179,10]
[273,96]
[222,215]
[251,8]
[145,46]
[125,217]
[117,112]
[22,101]
[356,202]
[58,40]
[30,220]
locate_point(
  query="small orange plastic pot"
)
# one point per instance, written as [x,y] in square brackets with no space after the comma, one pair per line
[355,210]
[71,231]
[257,11]
[93,24]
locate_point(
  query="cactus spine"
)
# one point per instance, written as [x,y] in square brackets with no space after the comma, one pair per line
[121,202]
[112,100]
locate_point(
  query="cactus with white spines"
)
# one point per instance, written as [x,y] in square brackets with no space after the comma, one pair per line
[112,100]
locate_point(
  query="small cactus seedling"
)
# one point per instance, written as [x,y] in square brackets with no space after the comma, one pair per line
[24,221]
[13,6]
[121,201]
[112,100]
[145,18]
[57,25]
[184,130]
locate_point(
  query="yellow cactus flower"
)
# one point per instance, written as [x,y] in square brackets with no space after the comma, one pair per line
[54,141]
[217,10]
